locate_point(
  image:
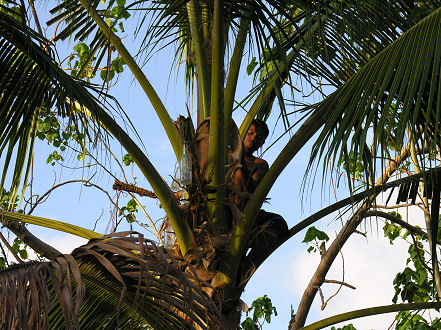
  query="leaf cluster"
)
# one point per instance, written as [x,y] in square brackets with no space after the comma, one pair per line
[391,230]
[59,136]
[317,237]
[19,247]
[414,283]
[128,211]
[262,309]
[411,321]
[345,327]
[89,56]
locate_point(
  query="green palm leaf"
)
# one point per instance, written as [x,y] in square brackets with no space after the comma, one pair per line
[49,223]
[31,83]
[403,78]
[328,42]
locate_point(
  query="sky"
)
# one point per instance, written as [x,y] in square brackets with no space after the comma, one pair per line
[370,263]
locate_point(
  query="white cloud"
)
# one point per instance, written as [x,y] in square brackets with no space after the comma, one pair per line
[64,243]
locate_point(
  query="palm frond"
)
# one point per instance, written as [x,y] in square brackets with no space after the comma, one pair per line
[402,81]
[49,223]
[31,83]
[122,280]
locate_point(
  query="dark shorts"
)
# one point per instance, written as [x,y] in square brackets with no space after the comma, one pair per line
[271,222]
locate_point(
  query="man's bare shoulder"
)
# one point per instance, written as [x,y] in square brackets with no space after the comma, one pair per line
[261,164]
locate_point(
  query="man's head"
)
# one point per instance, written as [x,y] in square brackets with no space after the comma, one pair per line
[256,135]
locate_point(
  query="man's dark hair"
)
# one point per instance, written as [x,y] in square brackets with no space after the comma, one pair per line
[262,125]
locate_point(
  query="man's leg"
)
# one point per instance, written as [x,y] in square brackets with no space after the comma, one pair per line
[269,227]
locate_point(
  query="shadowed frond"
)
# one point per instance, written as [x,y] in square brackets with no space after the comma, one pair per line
[120,281]
[401,82]
[328,43]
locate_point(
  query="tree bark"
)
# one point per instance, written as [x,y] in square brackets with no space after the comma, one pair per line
[34,242]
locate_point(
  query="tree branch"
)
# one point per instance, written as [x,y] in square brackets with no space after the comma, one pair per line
[32,241]
[351,225]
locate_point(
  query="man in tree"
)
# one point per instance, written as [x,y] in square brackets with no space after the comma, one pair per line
[268,226]
[252,169]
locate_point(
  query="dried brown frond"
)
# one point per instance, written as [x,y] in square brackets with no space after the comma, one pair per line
[121,280]
[121,186]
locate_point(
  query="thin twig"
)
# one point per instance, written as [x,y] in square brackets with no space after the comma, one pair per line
[420,258]
[397,206]
[87,183]
[340,282]
[321,295]
[360,233]
[148,217]
[37,23]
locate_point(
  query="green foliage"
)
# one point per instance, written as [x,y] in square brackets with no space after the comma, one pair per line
[317,237]
[12,10]
[50,129]
[127,160]
[3,262]
[345,327]
[128,211]
[79,59]
[19,247]
[262,310]
[251,66]
[5,200]
[53,157]
[411,321]
[391,230]
[391,127]
[116,67]
[413,284]
[352,163]
[107,75]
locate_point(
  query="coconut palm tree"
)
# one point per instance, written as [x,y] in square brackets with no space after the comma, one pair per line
[378,56]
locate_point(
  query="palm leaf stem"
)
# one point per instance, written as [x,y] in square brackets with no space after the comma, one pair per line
[10,249]
[32,135]
[156,102]
[159,186]
[32,241]
[371,311]
[22,150]
[216,155]
[233,74]
[198,40]
[49,223]
[348,201]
